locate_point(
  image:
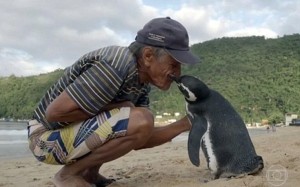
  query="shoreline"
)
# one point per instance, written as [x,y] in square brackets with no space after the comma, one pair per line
[16,146]
[169,165]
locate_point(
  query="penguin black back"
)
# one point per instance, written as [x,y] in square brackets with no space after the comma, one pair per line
[218,129]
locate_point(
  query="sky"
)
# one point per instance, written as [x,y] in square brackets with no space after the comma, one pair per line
[40,36]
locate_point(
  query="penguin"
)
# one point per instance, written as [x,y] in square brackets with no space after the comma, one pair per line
[218,129]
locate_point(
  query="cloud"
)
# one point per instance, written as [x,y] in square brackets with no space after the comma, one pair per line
[20,63]
[40,36]
[200,21]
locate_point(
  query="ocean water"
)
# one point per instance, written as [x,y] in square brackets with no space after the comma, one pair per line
[13,139]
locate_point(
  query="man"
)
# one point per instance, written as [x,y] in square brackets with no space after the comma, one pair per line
[98,110]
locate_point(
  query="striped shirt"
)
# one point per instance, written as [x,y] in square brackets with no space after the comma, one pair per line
[103,76]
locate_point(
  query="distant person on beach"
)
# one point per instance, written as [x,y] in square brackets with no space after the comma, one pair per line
[98,110]
[268,128]
[273,127]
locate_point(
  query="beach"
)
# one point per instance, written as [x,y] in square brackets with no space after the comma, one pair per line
[169,165]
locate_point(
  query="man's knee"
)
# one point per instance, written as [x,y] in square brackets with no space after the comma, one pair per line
[141,122]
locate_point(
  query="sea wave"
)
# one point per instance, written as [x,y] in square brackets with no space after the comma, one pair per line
[13,132]
[13,142]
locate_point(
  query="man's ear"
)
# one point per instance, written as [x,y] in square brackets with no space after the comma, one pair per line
[148,56]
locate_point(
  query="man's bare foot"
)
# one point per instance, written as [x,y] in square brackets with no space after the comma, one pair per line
[70,180]
[96,178]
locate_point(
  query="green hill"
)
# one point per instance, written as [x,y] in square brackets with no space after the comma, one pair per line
[259,76]
[19,95]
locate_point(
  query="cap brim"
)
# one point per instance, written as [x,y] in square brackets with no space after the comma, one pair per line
[184,57]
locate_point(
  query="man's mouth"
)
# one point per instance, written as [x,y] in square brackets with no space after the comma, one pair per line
[173,77]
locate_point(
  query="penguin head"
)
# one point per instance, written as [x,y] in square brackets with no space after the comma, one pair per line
[191,87]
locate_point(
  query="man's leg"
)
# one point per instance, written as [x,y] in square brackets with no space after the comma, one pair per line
[160,135]
[140,127]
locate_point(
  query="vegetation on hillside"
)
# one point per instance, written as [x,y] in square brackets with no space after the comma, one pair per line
[259,76]
[19,95]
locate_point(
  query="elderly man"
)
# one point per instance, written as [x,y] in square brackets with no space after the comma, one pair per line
[98,110]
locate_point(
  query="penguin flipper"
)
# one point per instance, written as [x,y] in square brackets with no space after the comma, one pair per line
[199,127]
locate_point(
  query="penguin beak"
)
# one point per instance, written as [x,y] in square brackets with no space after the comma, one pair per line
[173,77]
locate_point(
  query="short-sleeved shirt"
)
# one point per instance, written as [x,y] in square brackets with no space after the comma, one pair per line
[103,76]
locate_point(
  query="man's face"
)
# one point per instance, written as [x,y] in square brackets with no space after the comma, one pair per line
[160,68]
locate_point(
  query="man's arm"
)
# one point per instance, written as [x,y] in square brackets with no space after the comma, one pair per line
[65,109]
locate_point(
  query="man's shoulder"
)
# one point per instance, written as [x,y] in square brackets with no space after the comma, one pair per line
[119,57]
[118,51]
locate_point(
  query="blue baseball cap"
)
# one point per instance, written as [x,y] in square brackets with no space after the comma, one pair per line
[169,34]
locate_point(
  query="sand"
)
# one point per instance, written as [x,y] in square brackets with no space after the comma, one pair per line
[168,165]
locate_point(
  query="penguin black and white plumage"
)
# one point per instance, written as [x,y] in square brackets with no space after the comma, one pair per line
[218,129]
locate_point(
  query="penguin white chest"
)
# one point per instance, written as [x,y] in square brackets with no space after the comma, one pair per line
[212,161]
[187,110]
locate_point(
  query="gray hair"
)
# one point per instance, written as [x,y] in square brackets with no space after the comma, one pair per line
[137,49]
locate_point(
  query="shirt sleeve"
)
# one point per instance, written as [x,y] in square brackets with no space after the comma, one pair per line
[95,87]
